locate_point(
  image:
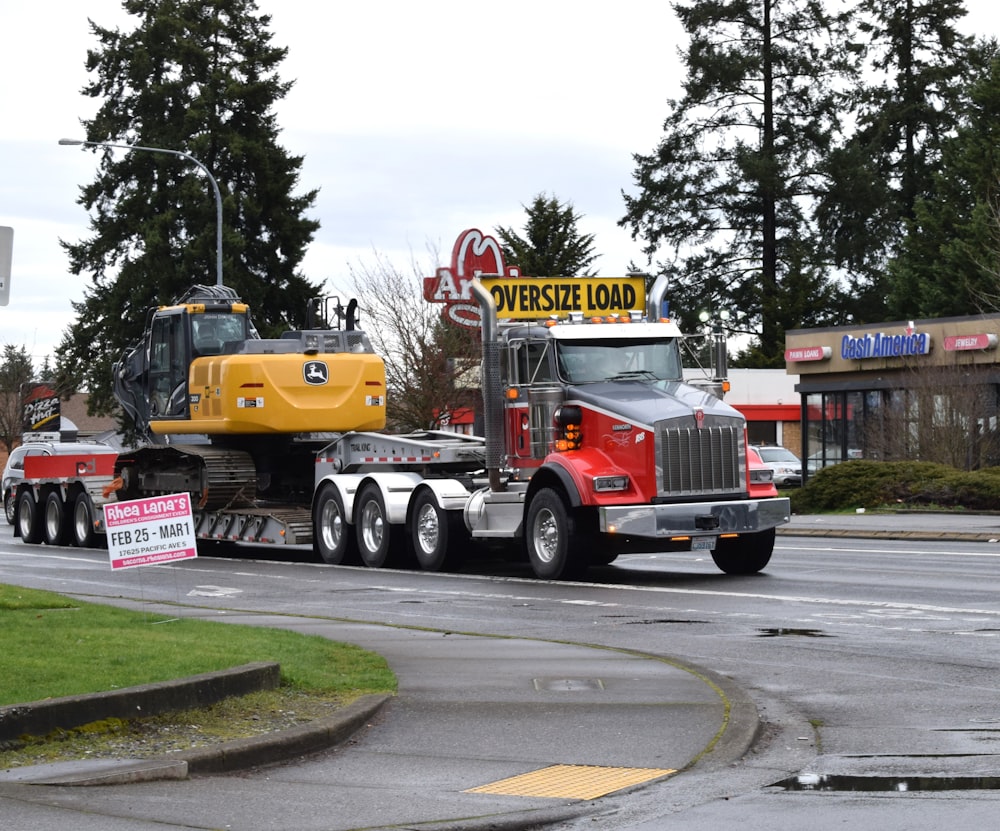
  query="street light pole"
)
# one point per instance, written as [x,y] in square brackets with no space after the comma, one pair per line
[193,160]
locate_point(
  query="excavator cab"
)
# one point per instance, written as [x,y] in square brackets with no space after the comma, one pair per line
[176,338]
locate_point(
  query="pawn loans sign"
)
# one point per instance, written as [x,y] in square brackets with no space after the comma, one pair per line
[150,532]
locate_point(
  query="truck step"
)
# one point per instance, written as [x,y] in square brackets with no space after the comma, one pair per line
[274,526]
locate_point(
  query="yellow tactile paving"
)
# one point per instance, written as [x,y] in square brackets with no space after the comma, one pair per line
[572,781]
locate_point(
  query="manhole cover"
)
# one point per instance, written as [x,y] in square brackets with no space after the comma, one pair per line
[568,684]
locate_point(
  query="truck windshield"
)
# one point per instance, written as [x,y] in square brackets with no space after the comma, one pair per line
[583,362]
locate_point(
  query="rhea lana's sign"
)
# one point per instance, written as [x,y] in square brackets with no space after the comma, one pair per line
[476,255]
[150,531]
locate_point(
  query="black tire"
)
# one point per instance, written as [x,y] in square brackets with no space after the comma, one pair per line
[379,542]
[55,520]
[746,554]
[333,538]
[29,518]
[9,507]
[82,522]
[436,534]
[556,550]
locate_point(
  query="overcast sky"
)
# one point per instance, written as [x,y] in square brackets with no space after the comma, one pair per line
[416,121]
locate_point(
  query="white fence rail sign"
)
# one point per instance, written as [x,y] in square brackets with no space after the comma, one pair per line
[150,532]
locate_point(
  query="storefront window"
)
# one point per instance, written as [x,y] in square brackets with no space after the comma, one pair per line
[835,428]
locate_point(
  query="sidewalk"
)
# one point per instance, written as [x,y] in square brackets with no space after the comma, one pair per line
[901,526]
[484,733]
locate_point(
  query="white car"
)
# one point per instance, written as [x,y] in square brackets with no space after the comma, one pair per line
[785,464]
[13,472]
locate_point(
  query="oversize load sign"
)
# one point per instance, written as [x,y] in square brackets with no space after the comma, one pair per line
[525,298]
[532,297]
[148,532]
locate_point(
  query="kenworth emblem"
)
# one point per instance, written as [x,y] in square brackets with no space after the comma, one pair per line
[315,372]
[699,417]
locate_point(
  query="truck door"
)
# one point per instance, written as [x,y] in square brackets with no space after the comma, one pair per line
[529,415]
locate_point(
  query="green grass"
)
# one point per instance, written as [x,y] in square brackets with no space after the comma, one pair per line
[54,646]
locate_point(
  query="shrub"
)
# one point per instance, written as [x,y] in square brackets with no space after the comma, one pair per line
[871,485]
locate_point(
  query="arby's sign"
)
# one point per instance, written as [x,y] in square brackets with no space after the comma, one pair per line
[474,255]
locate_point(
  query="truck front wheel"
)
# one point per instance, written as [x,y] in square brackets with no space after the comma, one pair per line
[745,554]
[555,548]
[334,541]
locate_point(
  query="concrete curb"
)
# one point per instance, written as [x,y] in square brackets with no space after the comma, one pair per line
[39,718]
[282,745]
[226,757]
[970,536]
[42,717]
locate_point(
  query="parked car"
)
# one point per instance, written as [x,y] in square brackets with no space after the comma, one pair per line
[785,465]
[761,476]
[820,459]
[13,472]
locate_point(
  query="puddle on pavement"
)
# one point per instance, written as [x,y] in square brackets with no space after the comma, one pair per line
[800,633]
[888,784]
[661,620]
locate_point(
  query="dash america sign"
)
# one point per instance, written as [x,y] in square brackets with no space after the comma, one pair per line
[885,345]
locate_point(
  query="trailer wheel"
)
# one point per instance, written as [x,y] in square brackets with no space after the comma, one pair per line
[333,539]
[435,533]
[84,535]
[378,540]
[746,554]
[555,549]
[29,518]
[55,520]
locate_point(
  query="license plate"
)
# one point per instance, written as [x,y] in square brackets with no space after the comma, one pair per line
[703,544]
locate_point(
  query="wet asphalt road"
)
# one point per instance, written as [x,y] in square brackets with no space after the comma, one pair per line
[865,658]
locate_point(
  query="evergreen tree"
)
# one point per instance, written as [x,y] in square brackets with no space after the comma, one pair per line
[921,66]
[199,78]
[728,190]
[15,371]
[949,264]
[552,246]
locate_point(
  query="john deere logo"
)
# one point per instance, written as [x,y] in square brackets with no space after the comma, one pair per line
[315,372]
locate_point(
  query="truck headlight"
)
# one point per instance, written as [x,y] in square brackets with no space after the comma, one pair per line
[604,484]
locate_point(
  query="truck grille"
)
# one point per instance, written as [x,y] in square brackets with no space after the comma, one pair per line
[694,461]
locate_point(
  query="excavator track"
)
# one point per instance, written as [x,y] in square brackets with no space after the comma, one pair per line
[215,477]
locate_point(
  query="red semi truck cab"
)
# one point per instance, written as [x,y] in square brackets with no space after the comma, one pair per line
[598,408]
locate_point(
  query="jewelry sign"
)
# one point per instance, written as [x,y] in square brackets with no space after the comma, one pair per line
[150,532]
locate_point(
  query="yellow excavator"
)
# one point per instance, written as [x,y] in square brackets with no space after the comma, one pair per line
[231,417]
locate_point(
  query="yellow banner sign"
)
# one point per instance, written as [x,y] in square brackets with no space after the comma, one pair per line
[540,297]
